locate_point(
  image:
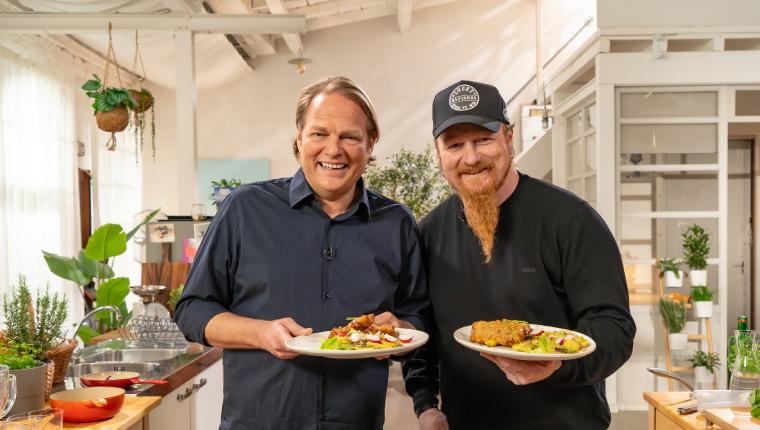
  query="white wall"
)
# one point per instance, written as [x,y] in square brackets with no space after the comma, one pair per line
[486,40]
[677,13]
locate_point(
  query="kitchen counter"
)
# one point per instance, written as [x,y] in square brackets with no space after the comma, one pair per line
[663,414]
[132,416]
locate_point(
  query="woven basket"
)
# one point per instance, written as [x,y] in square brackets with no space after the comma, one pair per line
[49,375]
[60,356]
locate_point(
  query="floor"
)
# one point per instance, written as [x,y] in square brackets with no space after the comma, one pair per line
[399,414]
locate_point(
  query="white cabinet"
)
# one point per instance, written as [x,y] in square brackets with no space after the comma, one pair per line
[195,405]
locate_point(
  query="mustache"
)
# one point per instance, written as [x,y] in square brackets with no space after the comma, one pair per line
[475,168]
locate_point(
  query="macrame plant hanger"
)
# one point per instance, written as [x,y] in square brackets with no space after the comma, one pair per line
[111,55]
[144,102]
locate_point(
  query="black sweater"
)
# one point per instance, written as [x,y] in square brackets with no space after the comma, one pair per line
[554,263]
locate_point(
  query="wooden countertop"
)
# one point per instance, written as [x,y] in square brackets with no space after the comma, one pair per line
[669,402]
[132,411]
[732,418]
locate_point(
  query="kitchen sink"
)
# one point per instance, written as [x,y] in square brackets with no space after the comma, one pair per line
[108,366]
[135,356]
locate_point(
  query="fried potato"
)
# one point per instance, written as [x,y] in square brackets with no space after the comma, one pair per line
[499,332]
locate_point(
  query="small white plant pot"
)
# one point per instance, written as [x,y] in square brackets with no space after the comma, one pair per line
[698,278]
[702,375]
[678,341]
[703,310]
[671,281]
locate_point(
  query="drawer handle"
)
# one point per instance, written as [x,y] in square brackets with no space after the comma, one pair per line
[188,392]
[197,387]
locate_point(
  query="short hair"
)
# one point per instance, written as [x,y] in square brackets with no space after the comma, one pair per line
[336,85]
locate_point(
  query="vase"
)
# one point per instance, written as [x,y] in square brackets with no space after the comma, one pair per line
[678,341]
[673,281]
[703,309]
[698,278]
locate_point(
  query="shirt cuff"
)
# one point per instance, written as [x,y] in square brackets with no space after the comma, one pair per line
[192,317]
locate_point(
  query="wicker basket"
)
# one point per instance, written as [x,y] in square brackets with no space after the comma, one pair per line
[60,356]
[49,375]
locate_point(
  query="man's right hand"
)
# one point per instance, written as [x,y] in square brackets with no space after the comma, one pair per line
[272,336]
[432,419]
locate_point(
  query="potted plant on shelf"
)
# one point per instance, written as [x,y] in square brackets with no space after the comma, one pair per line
[110,105]
[674,317]
[222,189]
[704,365]
[670,269]
[696,245]
[93,264]
[701,297]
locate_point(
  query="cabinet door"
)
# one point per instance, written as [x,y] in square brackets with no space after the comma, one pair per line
[206,409]
[174,410]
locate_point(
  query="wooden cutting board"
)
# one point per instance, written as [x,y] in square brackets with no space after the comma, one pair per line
[732,418]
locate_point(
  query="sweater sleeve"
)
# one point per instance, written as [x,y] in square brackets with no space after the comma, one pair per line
[594,281]
[208,288]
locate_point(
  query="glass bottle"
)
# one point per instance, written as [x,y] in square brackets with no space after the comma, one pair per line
[742,325]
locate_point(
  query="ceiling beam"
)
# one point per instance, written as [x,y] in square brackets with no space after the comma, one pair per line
[318,18]
[65,23]
[404,10]
[183,6]
[292,39]
[257,43]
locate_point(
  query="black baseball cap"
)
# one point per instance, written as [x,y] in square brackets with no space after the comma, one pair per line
[469,102]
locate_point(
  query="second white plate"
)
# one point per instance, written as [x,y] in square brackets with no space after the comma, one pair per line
[462,335]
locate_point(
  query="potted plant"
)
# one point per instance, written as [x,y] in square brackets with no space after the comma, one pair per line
[670,269]
[174,296]
[222,189]
[674,317]
[93,264]
[704,365]
[695,247]
[24,363]
[411,178]
[110,105]
[701,297]
[144,101]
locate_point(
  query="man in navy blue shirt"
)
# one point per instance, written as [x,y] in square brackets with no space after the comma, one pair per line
[290,256]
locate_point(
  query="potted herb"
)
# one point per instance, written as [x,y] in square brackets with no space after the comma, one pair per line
[670,269]
[174,296]
[411,178]
[222,189]
[701,297]
[704,365]
[110,105]
[674,317]
[696,245]
[24,363]
[144,101]
[93,264]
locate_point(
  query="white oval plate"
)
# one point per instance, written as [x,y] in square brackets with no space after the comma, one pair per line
[462,336]
[310,345]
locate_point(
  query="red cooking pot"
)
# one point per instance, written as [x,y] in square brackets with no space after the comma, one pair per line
[84,405]
[116,379]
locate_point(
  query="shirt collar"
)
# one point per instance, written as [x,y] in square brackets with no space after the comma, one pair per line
[300,190]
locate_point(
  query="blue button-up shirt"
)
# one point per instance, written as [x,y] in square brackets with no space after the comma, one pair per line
[271,252]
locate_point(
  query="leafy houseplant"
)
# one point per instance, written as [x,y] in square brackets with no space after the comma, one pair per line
[696,246]
[670,269]
[144,100]
[704,365]
[222,189]
[411,178]
[93,264]
[674,317]
[110,105]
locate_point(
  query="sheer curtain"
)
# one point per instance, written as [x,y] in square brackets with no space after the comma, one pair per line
[38,175]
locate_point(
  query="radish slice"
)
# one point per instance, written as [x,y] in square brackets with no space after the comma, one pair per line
[405,338]
[536,332]
[373,338]
[390,338]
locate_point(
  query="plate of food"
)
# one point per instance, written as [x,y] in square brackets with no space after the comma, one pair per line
[524,341]
[360,338]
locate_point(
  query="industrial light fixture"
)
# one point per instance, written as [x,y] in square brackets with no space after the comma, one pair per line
[300,63]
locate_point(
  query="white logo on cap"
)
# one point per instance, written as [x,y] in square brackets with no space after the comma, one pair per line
[505,114]
[464,97]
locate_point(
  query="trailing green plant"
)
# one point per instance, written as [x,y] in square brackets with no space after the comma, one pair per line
[20,355]
[145,101]
[106,99]
[411,178]
[670,265]
[673,315]
[94,264]
[701,294]
[696,245]
[37,322]
[709,361]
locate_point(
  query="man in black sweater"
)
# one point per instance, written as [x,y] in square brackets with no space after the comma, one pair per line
[510,246]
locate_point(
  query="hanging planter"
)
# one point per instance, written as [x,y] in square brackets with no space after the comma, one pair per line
[145,101]
[113,121]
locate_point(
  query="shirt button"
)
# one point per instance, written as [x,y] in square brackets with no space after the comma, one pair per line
[328,296]
[322,417]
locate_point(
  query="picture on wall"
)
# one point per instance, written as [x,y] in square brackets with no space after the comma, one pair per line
[161,233]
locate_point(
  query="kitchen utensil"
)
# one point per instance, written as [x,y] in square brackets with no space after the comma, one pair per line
[41,419]
[665,374]
[7,390]
[84,405]
[745,374]
[116,379]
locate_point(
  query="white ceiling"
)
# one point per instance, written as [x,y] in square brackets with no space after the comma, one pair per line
[217,61]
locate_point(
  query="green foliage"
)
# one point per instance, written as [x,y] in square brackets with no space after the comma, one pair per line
[20,355]
[696,245]
[411,178]
[224,183]
[673,315]
[709,361]
[754,401]
[39,324]
[174,296]
[670,265]
[701,294]
[107,99]
[109,240]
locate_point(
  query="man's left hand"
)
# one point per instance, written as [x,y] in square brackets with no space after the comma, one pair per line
[524,372]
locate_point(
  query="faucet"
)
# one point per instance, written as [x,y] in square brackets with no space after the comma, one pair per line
[112,308]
